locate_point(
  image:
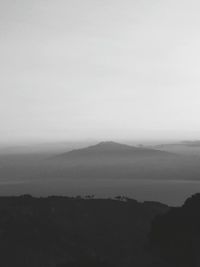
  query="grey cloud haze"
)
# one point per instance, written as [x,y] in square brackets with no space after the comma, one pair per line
[99,69]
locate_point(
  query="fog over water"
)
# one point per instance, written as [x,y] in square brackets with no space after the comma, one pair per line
[172,193]
[169,179]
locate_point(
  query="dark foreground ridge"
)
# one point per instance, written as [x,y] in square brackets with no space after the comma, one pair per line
[175,236]
[77,232]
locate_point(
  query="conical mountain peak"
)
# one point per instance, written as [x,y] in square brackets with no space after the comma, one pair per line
[111,149]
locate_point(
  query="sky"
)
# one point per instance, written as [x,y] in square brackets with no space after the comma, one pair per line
[99,69]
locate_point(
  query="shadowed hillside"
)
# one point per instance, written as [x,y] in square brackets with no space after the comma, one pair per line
[66,232]
[176,234]
[77,232]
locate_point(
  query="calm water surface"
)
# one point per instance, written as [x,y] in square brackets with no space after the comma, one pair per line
[169,192]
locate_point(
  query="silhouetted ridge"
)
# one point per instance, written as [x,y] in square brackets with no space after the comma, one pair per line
[112,145]
[195,143]
[111,148]
[176,234]
[74,232]
[192,202]
[111,160]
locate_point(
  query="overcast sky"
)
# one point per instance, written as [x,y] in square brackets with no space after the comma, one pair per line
[101,69]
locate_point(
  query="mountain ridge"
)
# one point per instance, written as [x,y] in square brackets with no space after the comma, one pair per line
[109,148]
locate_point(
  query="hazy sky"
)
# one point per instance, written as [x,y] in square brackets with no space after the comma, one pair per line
[102,69]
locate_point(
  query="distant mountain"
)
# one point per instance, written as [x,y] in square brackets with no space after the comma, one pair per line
[190,148]
[111,149]
[195,143]
[111,160]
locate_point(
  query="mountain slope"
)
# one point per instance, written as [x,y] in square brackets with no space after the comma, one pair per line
[112,149]
[110,160]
